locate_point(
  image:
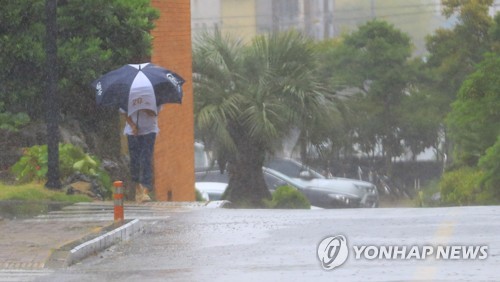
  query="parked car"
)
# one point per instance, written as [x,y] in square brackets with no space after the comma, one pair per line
[338,191]
[343,194]
[211,191]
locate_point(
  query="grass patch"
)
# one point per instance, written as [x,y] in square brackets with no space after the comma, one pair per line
[37,192]
[387,202]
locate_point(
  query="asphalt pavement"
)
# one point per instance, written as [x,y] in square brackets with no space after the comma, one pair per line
[190,242]
[285,245]
[61,238]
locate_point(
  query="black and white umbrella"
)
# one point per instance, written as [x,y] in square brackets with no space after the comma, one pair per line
[135,87]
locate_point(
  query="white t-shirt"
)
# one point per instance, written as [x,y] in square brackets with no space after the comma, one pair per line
[145,122]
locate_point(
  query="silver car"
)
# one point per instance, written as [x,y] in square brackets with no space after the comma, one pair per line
[324,193]
[327,192]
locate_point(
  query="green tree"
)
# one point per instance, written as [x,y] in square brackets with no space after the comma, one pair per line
[453,53]
[474,122]
[467,79]
[490,164]
[495,33]
[248,98]
[339,138]
[373,61]
[417,18]
[420,123]
[353,66]
[22,55]
[421,119]
[474,126]
[93,38]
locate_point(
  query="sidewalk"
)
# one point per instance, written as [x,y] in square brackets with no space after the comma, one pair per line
[51,240]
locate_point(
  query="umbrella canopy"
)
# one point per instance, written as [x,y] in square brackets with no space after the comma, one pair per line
[138,86]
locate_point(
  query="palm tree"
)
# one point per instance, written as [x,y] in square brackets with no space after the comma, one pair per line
[249,97]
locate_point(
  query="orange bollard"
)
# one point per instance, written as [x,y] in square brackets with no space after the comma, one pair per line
[118,199]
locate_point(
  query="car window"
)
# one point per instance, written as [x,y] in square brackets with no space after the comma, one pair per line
[272,181]
[290,168]
[214,196]
[282,177]
[211,176]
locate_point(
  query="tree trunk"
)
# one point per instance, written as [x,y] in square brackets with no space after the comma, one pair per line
[52,108]
[247,187]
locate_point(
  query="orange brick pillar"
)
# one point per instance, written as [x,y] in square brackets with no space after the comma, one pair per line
[174,149]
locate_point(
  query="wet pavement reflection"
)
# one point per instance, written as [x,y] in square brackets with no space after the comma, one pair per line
[13,209]
[281,245]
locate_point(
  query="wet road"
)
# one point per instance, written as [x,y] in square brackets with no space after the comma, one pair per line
[281,245]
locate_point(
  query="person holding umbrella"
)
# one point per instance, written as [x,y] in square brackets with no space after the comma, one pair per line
[141,128]
[140,90]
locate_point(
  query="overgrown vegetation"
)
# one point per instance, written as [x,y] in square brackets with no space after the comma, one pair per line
[94,37]
[462,187]
[474,125]
[32,166]
[287,197]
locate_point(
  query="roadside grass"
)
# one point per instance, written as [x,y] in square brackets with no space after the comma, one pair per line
[36,192]
[386,202]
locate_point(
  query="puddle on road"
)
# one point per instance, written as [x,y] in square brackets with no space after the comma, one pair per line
[22,209]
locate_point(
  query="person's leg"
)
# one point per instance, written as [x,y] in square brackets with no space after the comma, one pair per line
[134,151]
[148,143]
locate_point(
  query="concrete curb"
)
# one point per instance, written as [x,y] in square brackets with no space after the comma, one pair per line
[71,254]
[120,234]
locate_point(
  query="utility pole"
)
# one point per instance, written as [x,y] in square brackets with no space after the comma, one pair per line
[334,11]
[326,19]
[372,10]
[52,107]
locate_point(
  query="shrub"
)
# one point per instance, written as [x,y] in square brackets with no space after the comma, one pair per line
[463,187]
[490,164]
[12,122]
[33,165]
[287,197]
[198,196]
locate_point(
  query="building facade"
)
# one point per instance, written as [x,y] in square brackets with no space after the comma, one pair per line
[321,19]
[248,18]
[206,16]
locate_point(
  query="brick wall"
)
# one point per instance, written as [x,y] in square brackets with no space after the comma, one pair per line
[174,149]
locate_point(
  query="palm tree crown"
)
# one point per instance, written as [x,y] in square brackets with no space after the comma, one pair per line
[249,97]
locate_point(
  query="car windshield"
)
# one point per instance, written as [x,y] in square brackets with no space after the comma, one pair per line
[282,176]
[291,168]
